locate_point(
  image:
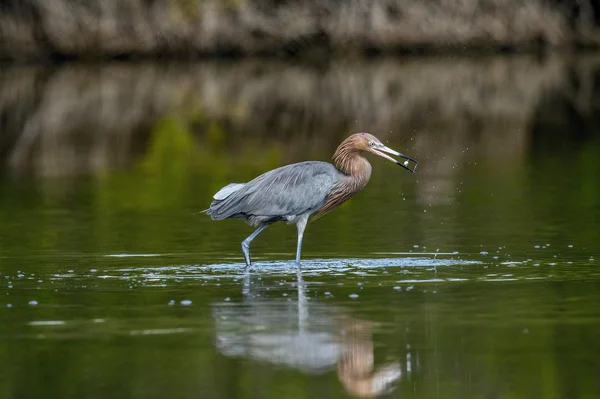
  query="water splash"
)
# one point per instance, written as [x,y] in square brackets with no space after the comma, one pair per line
[311,266]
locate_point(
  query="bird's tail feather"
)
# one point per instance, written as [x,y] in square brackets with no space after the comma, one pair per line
[224,200]
[226,208]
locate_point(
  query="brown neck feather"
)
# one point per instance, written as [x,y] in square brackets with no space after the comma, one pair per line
[357,172]
[349,161]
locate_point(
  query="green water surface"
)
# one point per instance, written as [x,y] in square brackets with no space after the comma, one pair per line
[476,277]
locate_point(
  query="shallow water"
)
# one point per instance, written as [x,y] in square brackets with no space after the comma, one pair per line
[478,276]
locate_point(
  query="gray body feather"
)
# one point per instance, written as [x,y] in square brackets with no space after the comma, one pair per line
[282,194]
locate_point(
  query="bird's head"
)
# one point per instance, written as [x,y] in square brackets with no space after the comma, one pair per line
[368,143]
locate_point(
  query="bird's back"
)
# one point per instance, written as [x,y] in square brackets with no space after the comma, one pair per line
[280,194]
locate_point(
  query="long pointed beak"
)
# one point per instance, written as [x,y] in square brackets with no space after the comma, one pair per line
[381,150]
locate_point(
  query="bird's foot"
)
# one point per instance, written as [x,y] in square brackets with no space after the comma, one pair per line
[246,252]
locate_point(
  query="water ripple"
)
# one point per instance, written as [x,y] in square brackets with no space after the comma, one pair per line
[286,267]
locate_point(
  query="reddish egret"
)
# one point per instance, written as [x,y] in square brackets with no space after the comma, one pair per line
[292,193]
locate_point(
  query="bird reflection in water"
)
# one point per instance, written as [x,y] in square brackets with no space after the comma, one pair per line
[356,366]
[304,335]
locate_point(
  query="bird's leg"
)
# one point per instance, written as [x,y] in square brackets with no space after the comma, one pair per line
[301,226]
[247,241]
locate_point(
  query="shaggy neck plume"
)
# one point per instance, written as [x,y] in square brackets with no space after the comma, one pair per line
[356,170]
[348,159]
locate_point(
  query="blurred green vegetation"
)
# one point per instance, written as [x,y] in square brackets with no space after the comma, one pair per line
[153,206]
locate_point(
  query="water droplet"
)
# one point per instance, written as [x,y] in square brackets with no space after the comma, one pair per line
[353,296]
[9,305]
[227,299]
[20,275]
[398,288]
[536,246]
[171,302]
[327,293]
[33,303]
[186,302]
[410,287]
[483,253]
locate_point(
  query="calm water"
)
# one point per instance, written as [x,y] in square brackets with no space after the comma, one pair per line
[477,277]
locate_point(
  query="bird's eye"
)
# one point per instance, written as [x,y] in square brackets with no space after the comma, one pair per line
[371,144]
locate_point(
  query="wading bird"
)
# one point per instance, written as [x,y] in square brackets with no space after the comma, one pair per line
[293,193]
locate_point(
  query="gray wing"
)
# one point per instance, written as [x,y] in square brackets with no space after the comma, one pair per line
[289,190]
